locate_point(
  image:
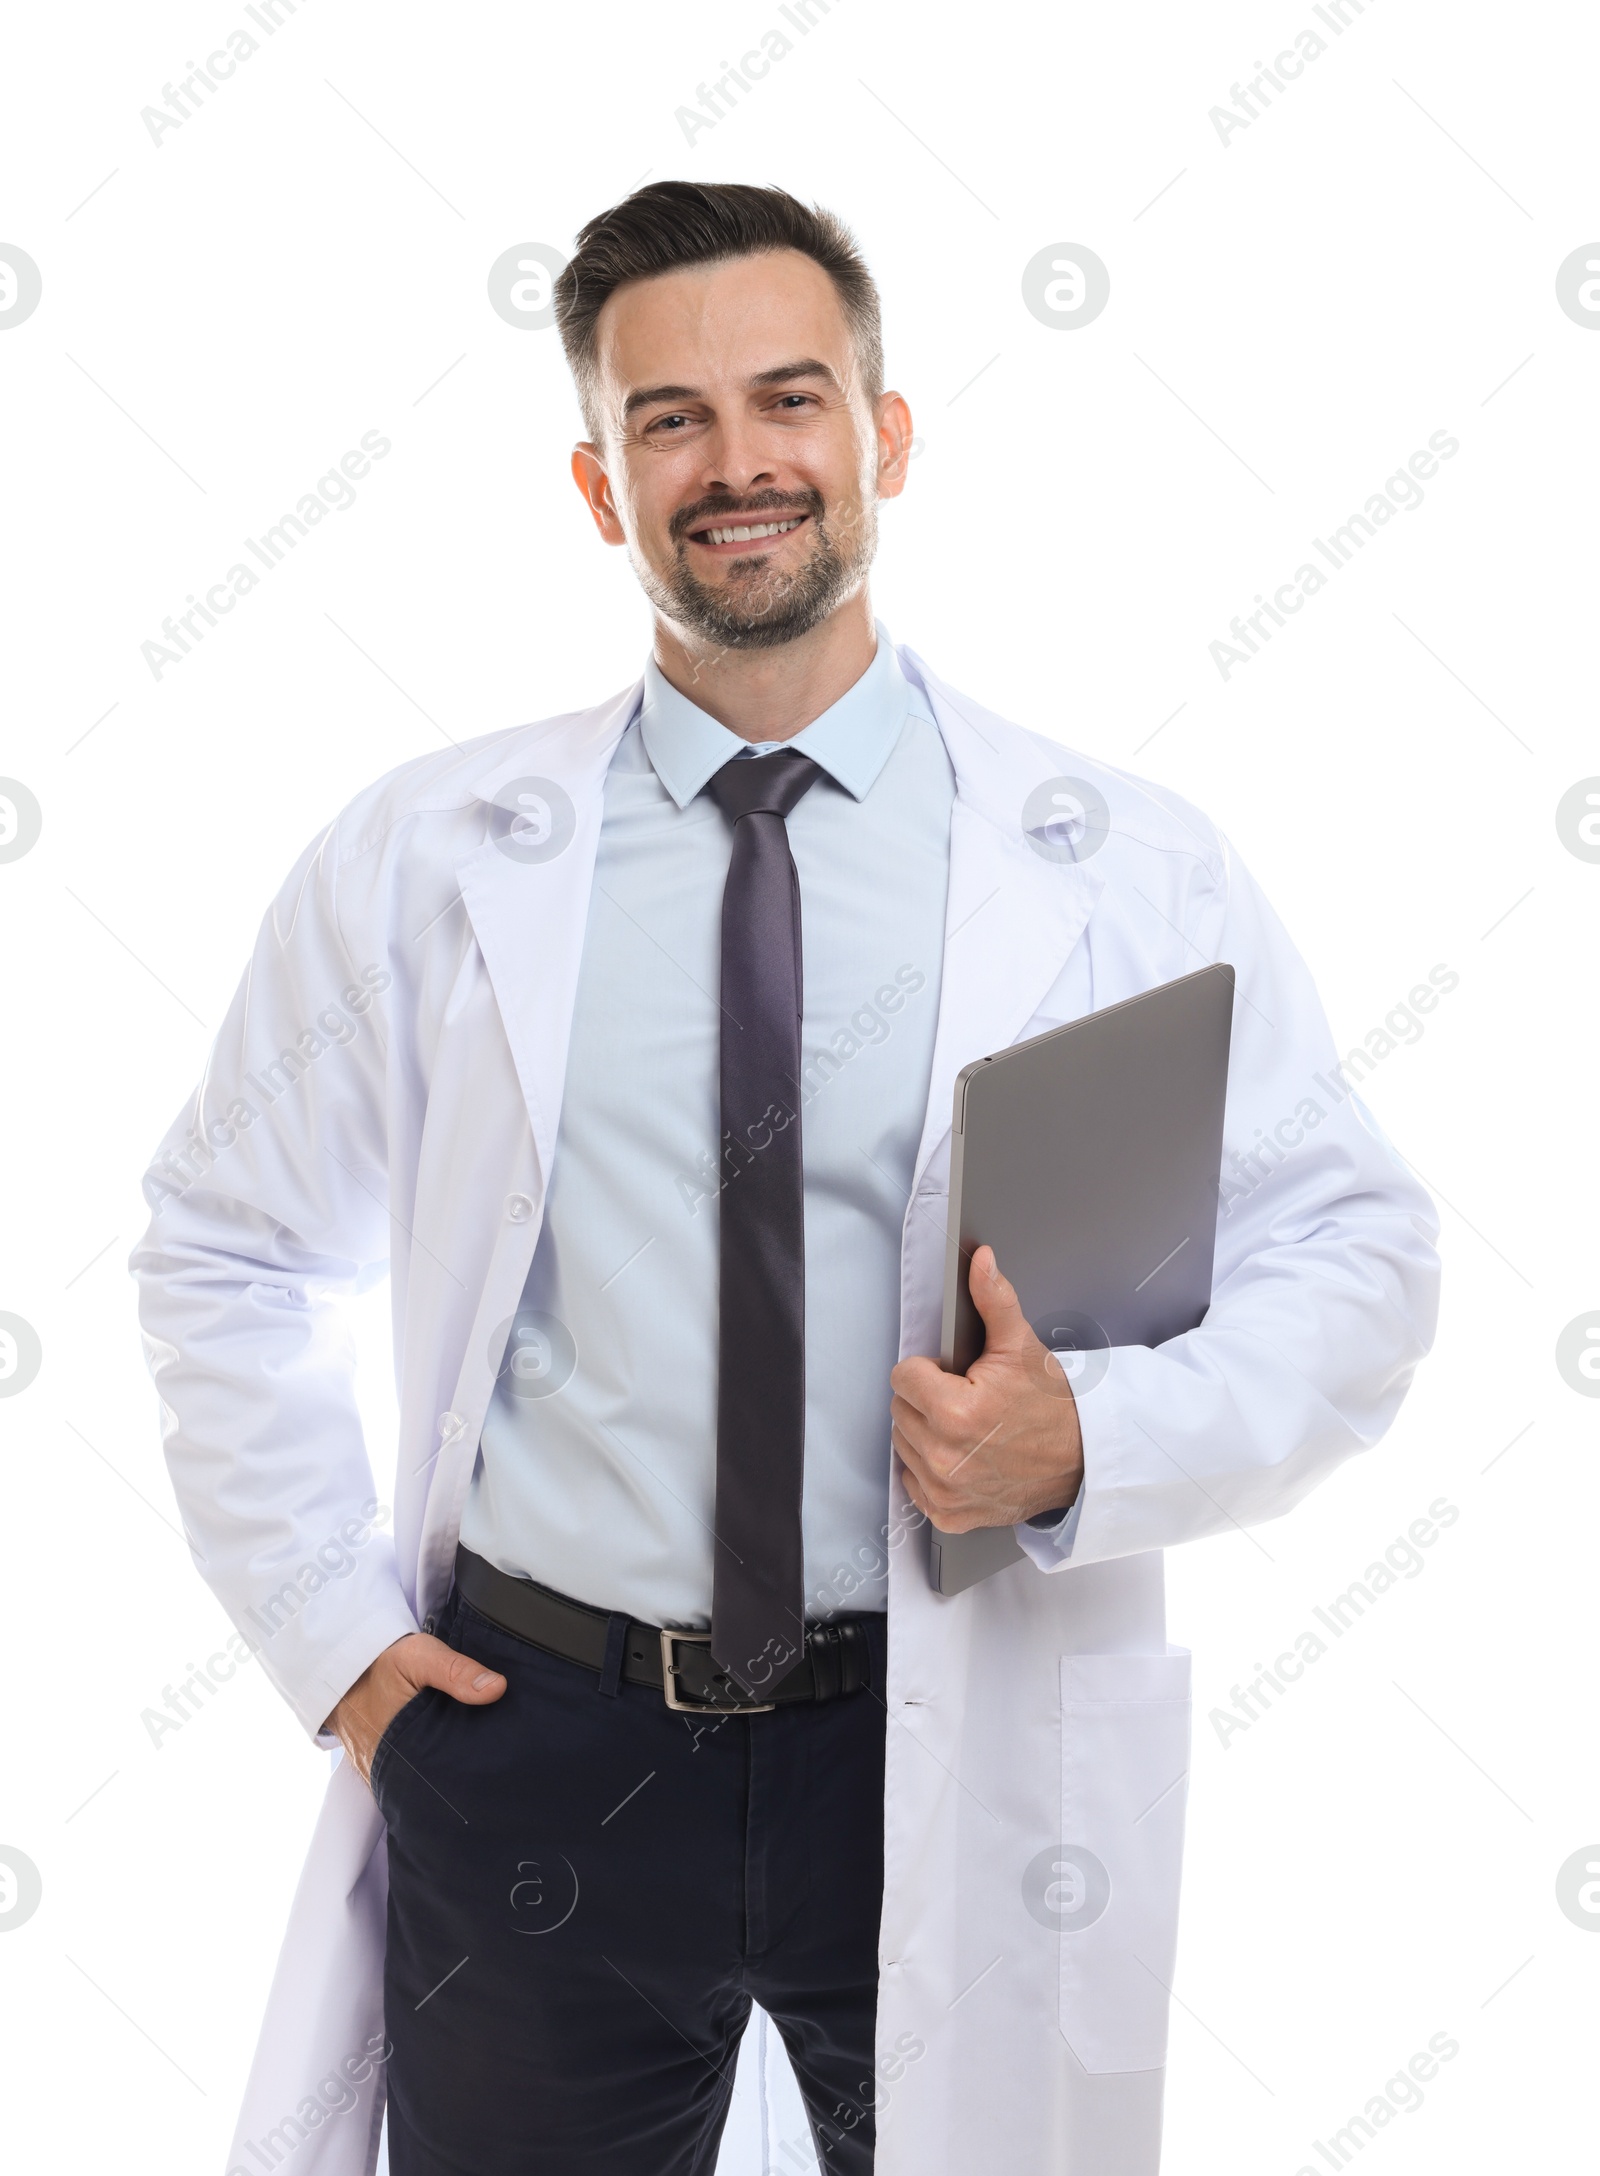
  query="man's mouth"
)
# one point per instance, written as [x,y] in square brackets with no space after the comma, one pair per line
[726,537]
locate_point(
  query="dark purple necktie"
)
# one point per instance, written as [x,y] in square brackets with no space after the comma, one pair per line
[757,1597]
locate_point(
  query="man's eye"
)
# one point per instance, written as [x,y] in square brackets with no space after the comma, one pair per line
[663,423]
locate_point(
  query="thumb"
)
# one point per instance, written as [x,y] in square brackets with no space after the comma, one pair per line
[995,1298]
[430,1662]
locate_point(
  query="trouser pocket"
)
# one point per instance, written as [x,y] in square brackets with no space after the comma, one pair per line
[1113,1889]
[394,1730]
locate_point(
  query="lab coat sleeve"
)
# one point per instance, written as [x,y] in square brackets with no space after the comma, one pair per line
[1324,1295]
[269,1198]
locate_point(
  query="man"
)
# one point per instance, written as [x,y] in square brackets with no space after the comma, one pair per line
[628,1041]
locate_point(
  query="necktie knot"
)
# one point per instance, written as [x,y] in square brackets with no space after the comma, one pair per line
[762,785]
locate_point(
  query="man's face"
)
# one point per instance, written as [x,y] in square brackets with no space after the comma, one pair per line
[732,403]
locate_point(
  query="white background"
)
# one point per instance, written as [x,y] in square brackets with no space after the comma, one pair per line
[1292,314]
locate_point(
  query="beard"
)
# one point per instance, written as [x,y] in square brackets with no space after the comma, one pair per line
[757,606]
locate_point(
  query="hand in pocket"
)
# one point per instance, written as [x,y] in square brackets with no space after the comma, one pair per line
[398,1675]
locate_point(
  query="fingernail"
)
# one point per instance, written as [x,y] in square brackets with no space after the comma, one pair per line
[484,1677]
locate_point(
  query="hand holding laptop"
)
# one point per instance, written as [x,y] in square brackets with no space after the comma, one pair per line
[1000,1443]
[1089,1157]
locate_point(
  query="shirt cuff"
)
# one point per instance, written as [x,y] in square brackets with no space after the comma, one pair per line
[1048,1537]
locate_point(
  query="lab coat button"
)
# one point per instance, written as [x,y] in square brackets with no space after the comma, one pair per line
[519,1208]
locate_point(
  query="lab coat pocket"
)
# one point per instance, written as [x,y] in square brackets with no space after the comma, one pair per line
[1112,1890]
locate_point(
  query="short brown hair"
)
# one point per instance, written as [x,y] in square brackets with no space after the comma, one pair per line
[671,224]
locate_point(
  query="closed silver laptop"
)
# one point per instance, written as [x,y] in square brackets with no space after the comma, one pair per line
[1089,1158]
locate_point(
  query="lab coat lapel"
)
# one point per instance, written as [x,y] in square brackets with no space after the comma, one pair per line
[1012,917]
[528,915]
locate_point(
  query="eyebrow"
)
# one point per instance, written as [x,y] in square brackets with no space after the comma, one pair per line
[779,374]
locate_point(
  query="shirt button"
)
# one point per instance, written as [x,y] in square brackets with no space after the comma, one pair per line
[519,1208]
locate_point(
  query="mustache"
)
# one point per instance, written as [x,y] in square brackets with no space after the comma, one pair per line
[763,505]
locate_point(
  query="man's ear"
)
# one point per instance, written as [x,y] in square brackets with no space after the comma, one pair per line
[894,444]
[589,474]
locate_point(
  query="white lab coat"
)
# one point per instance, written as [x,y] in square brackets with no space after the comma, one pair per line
[1040,1716]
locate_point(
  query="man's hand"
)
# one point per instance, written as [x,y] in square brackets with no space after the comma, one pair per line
[384,1687]
[1000,1443]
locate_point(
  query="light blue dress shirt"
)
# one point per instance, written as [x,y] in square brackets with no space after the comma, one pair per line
[597,1465]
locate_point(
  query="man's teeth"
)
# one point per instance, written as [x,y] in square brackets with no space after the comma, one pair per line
[754,530]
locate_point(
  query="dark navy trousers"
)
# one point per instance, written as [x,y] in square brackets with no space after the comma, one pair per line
[587,1892]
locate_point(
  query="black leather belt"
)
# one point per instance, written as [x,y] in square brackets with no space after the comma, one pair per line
[837,1658]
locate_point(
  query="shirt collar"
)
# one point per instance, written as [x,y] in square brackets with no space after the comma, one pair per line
[852,740]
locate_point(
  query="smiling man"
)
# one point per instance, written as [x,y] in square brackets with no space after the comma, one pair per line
[660,1006]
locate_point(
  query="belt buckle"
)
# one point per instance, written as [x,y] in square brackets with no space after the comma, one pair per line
[669,1673]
